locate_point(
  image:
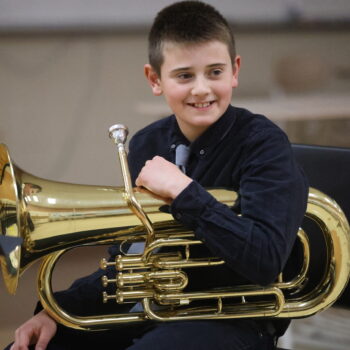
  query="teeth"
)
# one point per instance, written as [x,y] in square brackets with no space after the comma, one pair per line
[202,105]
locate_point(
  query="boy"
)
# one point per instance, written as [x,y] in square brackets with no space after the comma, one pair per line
[193,63]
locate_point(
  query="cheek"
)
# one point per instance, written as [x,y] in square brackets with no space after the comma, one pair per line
[176,93]
[225,91]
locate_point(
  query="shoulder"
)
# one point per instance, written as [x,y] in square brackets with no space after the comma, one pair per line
[253,123]
[258,140]
[146,143]
[253,127]
[151,132]
[158,126]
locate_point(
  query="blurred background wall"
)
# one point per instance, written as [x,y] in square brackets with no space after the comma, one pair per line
[70,69]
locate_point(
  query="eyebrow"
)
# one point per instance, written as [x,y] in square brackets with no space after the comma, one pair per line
[181,69]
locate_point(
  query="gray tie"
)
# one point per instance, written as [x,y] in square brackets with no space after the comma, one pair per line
[181,156]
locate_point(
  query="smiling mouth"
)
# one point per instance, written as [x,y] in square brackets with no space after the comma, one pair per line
[202,104]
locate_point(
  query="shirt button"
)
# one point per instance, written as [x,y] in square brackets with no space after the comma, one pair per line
[173,146]
[201,152]
[178,216]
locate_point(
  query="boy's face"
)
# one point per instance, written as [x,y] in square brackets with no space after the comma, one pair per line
[197,82]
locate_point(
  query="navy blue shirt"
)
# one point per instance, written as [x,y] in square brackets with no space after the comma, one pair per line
[249,154]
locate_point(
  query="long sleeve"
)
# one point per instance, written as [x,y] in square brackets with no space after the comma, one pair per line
[272,200]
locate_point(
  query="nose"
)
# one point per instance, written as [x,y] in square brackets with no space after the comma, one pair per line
[201,86]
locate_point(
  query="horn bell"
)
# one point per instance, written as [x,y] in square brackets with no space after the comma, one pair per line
[49,216]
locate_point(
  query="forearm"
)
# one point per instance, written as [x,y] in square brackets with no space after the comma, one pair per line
[255,245]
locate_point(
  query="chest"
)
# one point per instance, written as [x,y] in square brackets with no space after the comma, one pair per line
[214,167]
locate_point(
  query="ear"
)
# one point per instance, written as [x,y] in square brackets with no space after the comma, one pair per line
[236,67]
[153,79]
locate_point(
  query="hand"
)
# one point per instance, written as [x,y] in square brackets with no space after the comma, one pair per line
[163,178]
[38,330]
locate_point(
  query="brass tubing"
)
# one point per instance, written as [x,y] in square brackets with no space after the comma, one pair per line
[77,322]
[148,277]
[127,262]
[132,295]
[270,311]
[335,227]
[161,243]
[62,216]
[302,275]
[119,133]
[189,263]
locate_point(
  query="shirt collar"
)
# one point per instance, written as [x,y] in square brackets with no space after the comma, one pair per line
[210,138]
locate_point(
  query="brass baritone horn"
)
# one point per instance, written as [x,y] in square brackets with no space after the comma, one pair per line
[52,217]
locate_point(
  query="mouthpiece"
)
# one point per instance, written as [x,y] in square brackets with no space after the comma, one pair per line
[118,133]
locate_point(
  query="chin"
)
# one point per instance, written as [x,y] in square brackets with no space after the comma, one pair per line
[206,120]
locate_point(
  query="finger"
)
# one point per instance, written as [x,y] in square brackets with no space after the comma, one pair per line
[141,179]
[43,340]
[22,339]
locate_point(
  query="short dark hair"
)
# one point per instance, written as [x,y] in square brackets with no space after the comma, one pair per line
[187,22]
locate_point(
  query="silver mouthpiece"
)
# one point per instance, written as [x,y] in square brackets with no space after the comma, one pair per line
[118,133]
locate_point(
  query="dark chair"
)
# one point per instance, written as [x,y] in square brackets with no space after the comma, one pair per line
[328,170]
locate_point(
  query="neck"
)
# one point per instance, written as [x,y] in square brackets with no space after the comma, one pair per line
[190,133]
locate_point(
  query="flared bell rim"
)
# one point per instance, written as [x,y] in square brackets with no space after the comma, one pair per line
[10,220]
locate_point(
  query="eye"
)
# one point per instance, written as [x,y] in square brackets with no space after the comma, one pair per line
[216,72]
[184,76]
